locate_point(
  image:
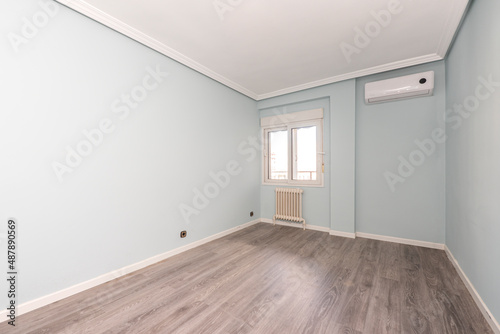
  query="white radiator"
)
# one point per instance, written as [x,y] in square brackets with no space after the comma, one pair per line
[289,205]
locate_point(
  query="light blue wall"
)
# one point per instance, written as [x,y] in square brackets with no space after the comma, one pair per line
[369,140]
[333,205]
[473,152]
[414,207]
[121,205]
[316,200]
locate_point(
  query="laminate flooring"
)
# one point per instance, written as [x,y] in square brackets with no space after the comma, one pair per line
[275,279]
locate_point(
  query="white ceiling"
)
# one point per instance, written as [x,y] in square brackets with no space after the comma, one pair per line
[265,48]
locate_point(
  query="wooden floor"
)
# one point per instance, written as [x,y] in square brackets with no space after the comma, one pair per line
[275,279]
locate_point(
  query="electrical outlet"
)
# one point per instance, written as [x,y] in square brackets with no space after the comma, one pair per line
[183,234]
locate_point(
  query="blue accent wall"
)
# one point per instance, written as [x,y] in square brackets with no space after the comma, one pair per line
[331,206]
[120,204]
[394,200]
[473,150]
[316,200]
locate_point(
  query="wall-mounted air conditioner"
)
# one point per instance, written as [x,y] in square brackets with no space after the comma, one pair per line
[409,86]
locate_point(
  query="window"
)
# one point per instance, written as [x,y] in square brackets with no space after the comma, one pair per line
[293,145]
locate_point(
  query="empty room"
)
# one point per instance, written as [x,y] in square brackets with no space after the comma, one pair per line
[238,166]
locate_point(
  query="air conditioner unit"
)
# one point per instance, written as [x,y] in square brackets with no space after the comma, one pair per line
[409,86]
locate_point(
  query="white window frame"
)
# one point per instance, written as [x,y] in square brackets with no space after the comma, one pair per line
[289,122]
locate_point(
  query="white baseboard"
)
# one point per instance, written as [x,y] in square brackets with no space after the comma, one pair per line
[359,234]
[403,241]
[477,298]
[283,223]
[72,290]
[495,326]
[59,295]
[343,234]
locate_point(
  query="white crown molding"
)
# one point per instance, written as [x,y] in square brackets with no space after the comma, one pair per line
[451,28]
[72,290]
[356,74]
[115,24]
[495,326]
[123,28]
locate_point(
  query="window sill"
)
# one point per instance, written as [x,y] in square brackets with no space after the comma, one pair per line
[274,184]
